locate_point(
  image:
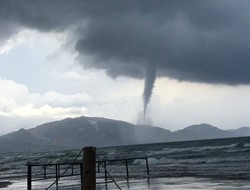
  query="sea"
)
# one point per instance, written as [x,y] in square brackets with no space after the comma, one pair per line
[202,164]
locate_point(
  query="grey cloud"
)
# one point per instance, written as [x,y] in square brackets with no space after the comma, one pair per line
[196,40]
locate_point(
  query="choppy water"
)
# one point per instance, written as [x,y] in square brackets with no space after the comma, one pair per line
[221,159]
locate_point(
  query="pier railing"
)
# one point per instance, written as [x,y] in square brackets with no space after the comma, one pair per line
[125,161]
[49,172]
[42,172]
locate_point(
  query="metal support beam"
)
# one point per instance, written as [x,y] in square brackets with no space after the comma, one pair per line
[57,178]
[44,172]
[147,166]
[106,176]
[81,173]
[127,170]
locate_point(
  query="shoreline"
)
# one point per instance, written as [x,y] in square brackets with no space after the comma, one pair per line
[172,183]
[181,183]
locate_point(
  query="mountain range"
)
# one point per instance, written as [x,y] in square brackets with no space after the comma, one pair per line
[75,133]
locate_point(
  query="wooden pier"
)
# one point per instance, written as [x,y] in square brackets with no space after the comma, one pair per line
[86,176]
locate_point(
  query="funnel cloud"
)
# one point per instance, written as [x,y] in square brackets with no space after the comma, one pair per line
[150,76]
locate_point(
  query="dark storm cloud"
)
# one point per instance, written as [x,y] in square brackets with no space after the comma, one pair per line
[202,40]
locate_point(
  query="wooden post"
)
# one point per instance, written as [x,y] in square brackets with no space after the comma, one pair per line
[29,178]
[89,168]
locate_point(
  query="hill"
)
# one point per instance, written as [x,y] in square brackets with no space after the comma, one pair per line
[78,132]
[242,131]
[202,131]
[74,133]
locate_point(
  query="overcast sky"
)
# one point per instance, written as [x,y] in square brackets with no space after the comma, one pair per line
[65,58]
